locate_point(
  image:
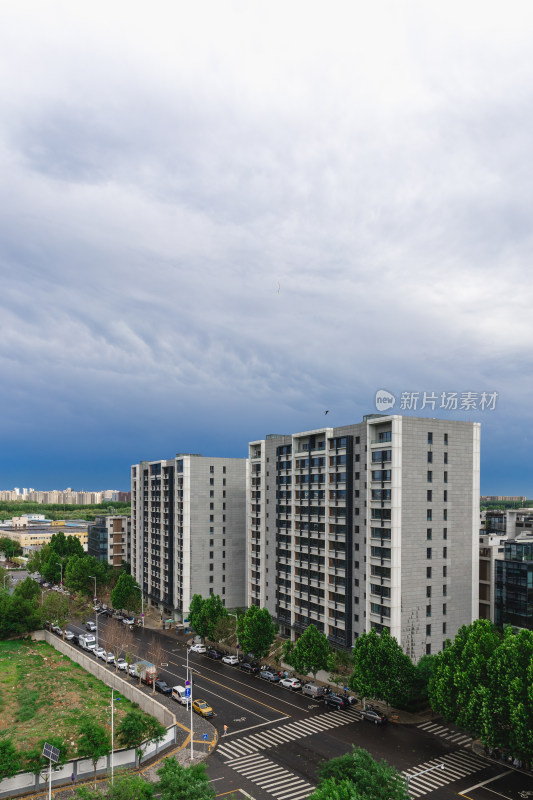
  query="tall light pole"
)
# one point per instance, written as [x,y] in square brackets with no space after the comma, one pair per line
[94,576]
[112,734]
[95,611]
[61,568]
[236,634]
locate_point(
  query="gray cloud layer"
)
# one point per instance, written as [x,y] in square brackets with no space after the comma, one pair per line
[253,211]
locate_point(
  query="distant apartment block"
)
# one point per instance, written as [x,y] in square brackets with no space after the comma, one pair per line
[491,550]
[109,539]
[514,573]
[371,525]
[493,498]
[189,530]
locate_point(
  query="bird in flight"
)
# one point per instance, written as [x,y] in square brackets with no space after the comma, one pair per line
[326,412]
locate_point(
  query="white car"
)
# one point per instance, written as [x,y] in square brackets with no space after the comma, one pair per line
[69,635]
[100,652]
[128,621]
[198,648]
[133,671]
[90,625]
[122,664]
[230,660]
[57,629]
[290,683]
[109,658]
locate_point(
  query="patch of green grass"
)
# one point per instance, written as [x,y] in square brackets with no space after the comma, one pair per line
[28,704]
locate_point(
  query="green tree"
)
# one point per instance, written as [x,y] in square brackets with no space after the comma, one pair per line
[256,631]
[225,629]
[130,787]
[373,780]
[10,547]
[205,614]
[127,593]
[137,729]
[55,608]
[28,589]
[461,674]
[310,653]
[507,713]
[10,759]
[337,790]
[17,615]
[381,669]
[78,571]
[185,783]
[94,742]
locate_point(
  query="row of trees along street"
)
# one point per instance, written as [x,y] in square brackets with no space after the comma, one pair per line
[482,681]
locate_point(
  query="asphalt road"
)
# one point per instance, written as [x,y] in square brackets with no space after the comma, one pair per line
[277,738]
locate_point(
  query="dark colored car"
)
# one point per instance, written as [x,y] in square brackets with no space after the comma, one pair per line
[268,675]
[163,687]
[373,715]
[75,639]
[335,701]
[251,669]
[213,653]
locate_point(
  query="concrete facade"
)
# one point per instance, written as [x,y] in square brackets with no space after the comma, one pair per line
[109,539]
[368,525]
[188,530]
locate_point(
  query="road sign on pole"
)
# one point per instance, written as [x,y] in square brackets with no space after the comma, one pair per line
[204,737]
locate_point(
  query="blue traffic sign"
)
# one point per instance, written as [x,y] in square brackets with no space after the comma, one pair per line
[187,691]
[204,737]
[187,683]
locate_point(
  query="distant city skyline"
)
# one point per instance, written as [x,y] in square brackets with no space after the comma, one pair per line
[241,216]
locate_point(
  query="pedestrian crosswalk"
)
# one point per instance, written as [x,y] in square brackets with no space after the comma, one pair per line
[445,733]
[443,770]
[277,781]
[286,733]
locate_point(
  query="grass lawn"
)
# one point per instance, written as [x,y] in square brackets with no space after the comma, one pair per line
[43,693]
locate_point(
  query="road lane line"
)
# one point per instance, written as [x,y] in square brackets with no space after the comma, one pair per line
[252,727]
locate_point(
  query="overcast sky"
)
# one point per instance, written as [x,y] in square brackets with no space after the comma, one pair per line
[220,219]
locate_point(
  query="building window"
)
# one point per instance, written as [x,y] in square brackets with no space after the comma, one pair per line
[212,493]
[428,572]
[430,438]
[211,518]
[444,590]
[428,649]
[429,496]
[211,542]
[430,476]
[211,568]
[224,469]
[445,514]
[357,439]
[445,477]
[446,438]
[444,571]
[211,506]
[428,611]
[211,554]
[211,530]
[356,617]
[428,630]
[211,579]
[428,552]
[444,627]
[429,515]
[428,591]
[445,533]
[211,469]
[357,457]
[445,458]
[445,497]
[444,609]
[430,457]
[211,481]
[445,552]
[428,533]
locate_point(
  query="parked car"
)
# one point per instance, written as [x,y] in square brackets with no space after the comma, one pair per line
[268,675]
[291,683]
[57,629]
[110,658]
[128,621]
[373,715]
[90,625]
[335,701]
[214,653]
[163,687]
[198,648]
[314,691]
[69,635]
[251,669]
[75,638]
[122,664]
[202,708]
[230,660]
[100,652]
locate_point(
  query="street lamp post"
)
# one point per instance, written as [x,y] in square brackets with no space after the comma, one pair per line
[237,645]
[429,769]
[94,576]
[60,563]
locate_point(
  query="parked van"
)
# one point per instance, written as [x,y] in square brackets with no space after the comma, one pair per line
[314,691]
[178,693]
[87,641]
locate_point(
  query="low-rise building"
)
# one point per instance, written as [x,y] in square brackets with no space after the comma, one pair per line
[109,539]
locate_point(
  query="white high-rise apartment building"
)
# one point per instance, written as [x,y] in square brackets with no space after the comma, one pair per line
[188,529]
[367,525]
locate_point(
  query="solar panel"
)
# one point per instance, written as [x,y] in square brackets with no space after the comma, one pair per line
[51,752]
